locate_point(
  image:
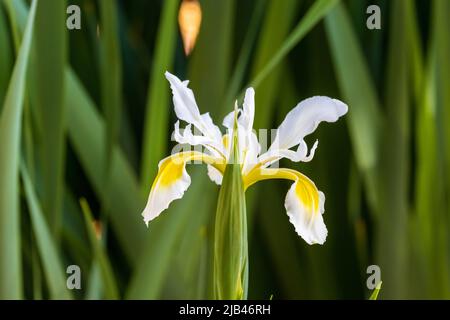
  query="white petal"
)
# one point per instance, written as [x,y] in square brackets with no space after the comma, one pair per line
[212,129]
[184,102]
[304,119]
[274,155]
[311,152]
[186,109]
[249,147]
[172,181]
[248,115]
[228,121]
[250,152]
[305,213]
[185,136]
[167,187]
[215,175]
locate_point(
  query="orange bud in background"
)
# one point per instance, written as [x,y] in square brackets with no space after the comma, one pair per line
[97,229]
[189,19]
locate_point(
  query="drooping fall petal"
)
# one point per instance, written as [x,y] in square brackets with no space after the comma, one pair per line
[173,180]
[304,202]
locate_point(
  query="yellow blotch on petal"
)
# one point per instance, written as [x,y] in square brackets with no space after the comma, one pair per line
[305,189]
[189,19]
[171,171]
[225,141]
[307,192]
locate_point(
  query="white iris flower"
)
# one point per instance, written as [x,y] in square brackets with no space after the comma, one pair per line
[304,203]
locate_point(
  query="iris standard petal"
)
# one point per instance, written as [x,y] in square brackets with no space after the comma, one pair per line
[186,109]
[248,115]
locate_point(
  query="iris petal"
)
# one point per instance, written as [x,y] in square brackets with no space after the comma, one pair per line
[173,180]
[304,203]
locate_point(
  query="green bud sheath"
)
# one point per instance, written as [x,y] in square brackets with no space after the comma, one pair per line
[230,246]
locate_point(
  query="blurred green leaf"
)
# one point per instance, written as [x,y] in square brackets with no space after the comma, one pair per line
[86,132]
[157,108]
[50,51]
[5,58]
[111,77]
[432,209]
[100,255]
[10,127]
[394,176]
[95,283]
[163,233]
[364,117]
[281,14]
[209,65]
[271,56]
[415,49]
[245,54]
[52,266]
[376,291]
[441,27]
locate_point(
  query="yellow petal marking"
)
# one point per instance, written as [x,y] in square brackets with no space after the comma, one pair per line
[305,189]
[225,141]
[171,168]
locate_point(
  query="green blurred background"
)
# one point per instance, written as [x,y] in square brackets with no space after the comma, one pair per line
[83,128]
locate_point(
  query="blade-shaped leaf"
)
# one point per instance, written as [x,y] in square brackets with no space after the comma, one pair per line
[100,256]
[10,127]
[50,50]
[391,241]
[157,109]
[358,90]
[376,291]
[5,57]
[86,132]
[51,262]
[151,272]
[313,16]
[111,76]
[209,67]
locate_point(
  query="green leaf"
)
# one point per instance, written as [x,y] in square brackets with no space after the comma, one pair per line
[441,25]
[244,54]
[281,14]
[53,269]
[209,67]
[100,255]
[5,58]
[10,127]
[317,11]
[394,193]
[50,51]
[95,283]
[111,77]
[162,236]
[86,132]
[374,295]
[431,251]
[364,117]
[157,108]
